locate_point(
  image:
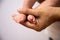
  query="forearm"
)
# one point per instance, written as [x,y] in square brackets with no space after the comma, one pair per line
[28,3]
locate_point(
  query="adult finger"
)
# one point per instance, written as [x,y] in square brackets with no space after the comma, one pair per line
[28,11]
[30,25]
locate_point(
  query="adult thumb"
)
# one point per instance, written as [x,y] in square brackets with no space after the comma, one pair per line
[27,11]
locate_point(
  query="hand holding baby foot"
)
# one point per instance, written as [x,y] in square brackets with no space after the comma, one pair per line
[44,18]
[30,18]
[29,4]
[47,3]
[42,21]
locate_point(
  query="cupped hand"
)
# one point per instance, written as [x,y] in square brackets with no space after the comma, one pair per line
[42,21]
[44,18]
[29,4]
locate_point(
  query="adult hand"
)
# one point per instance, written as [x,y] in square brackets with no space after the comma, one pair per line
[44,17]
[27,4]
[30,3]
[42,22]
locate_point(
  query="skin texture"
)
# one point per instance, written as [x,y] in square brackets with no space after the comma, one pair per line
[41,22]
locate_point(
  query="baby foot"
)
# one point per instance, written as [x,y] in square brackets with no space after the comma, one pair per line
[31,19]
[19,18]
